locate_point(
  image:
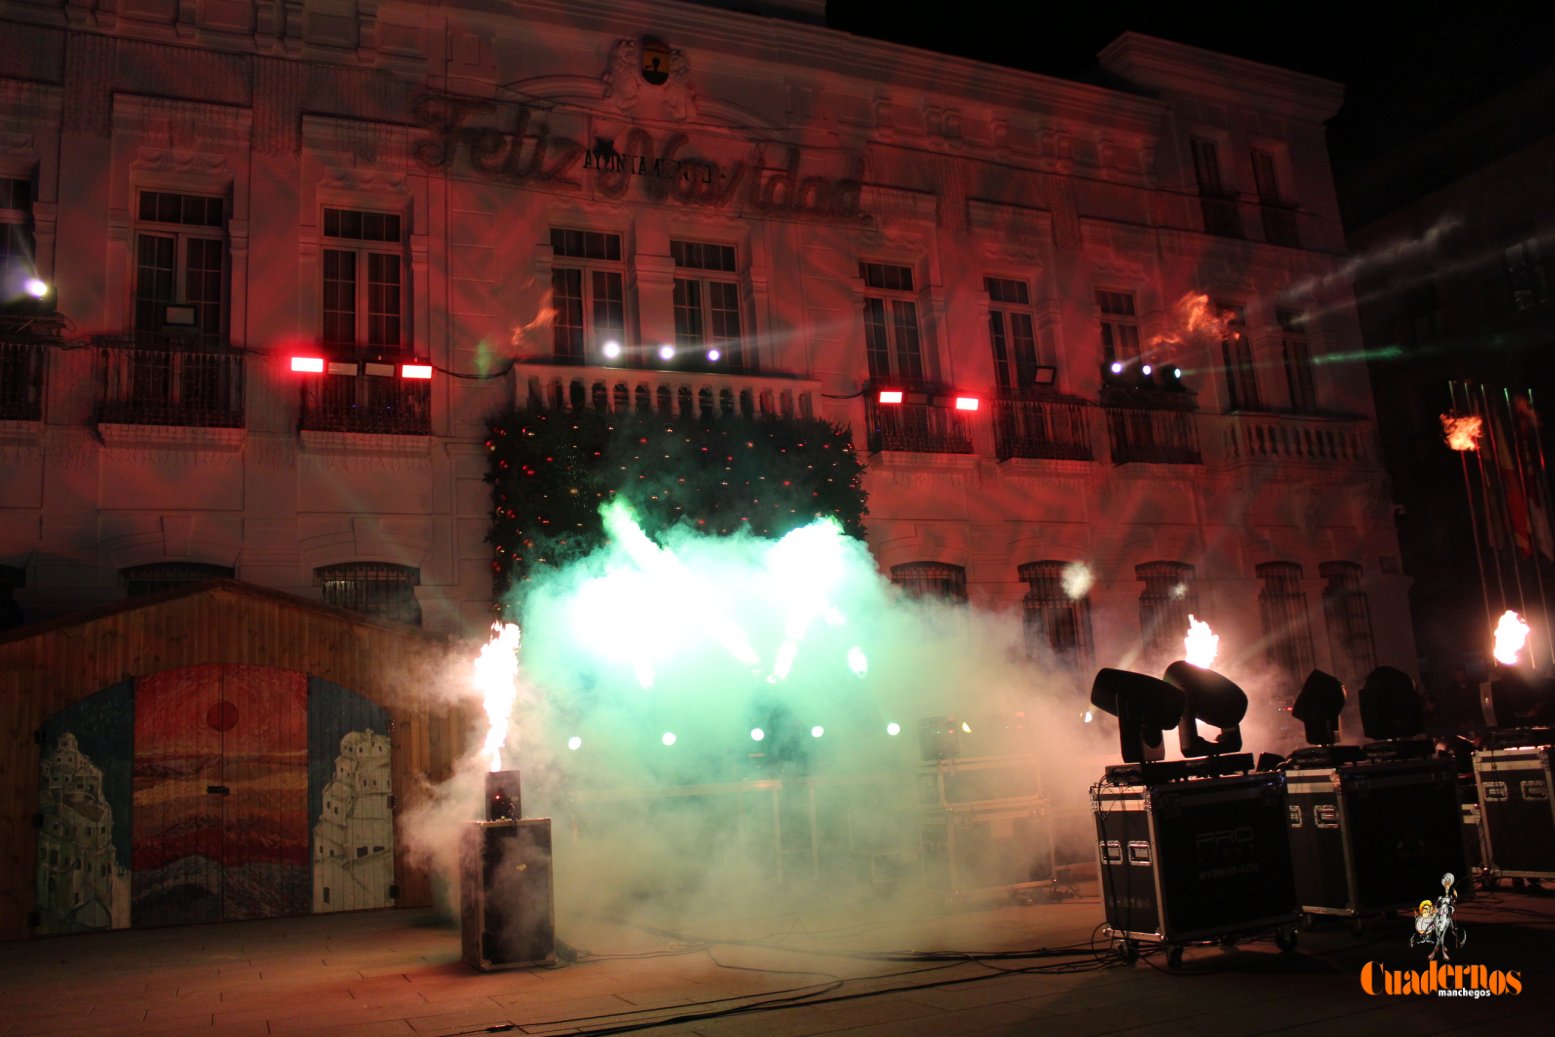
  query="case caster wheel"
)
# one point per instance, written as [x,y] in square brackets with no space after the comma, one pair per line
[1285,939]
[1174,958]
[1357,926]
[1128,950]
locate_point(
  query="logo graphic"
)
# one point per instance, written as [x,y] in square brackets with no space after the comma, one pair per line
[1435,925]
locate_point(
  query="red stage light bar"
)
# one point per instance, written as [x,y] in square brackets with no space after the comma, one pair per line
[415,370]
[890,396]
[967,403]
[308,364]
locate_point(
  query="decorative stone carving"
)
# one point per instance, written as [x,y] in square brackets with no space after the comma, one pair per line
[646,77]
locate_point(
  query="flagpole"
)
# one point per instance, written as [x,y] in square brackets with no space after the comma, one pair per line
[1491,536]
[1468,492]
[1511,529]
[1541,489]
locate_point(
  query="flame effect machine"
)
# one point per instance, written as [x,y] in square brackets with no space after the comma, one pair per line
[506,897]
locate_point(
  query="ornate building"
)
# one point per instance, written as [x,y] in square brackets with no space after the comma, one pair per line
[303,251]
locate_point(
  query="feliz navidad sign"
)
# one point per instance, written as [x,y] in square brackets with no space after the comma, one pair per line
[662,170]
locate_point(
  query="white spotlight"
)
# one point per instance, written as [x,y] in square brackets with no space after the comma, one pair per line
[1117,367]
[668,738]
[713,356]
[574,743]
[757,734]
[36,287]
[817,731]
[1146,370]
[666,352]
[611,349]
[893,729]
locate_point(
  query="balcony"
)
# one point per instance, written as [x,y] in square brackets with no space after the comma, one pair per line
[373,400]
[1279,223]
[1050,429]
[23,340]
[916,425]
[685,393]
[154,380]
[1153,435]
[1289,439]
[1221,215]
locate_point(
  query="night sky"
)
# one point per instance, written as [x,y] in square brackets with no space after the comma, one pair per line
[1402,75]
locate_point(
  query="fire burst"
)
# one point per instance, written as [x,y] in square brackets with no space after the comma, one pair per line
[496,678]
[1511,635]
[1463,433]
[1201,645]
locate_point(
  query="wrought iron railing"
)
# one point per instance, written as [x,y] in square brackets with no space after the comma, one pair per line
[151,380]
[1153,435]
[1221,213]
[1052,429]
[379,404]
[1279,223]
[21,379]
[919,428]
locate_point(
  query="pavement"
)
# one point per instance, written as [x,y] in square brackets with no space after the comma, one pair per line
[935,970]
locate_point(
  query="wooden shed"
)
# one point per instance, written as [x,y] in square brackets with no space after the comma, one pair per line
[215,752]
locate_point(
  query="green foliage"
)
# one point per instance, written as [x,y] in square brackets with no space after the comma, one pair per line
[552,470]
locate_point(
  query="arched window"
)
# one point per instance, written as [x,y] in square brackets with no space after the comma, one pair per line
[1055,619]
[931,580]
[1282,605]
[1165,604]
[375,589]
[140,580]
[1348,619]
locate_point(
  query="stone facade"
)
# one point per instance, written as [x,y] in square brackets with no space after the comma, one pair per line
[503,192]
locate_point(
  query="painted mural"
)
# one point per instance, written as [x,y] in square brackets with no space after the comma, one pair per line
[220,795]
[210,793]
[349,800]
[83,879]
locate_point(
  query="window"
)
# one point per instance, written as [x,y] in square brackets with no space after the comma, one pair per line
[12,579]
[180,261]
[1119,327]
[587,290]
[1237,353]
[707,305]
[1279,215]
[140,580]
[1282,605]
[931,580]
[1165,604]
[1349,621]
[1217,202]
[1298,362]
[373,589]
[1054,620]
[891,340]
[364,280]
[1423,312]
[1010,329]
[16,240]
[1526,278]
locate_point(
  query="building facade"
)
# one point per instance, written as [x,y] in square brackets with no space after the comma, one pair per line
[301,252]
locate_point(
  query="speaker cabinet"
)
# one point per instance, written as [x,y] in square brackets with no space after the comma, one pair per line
[506,897]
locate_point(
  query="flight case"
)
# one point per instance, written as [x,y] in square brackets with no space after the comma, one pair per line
[1374,835]
[1195,858]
